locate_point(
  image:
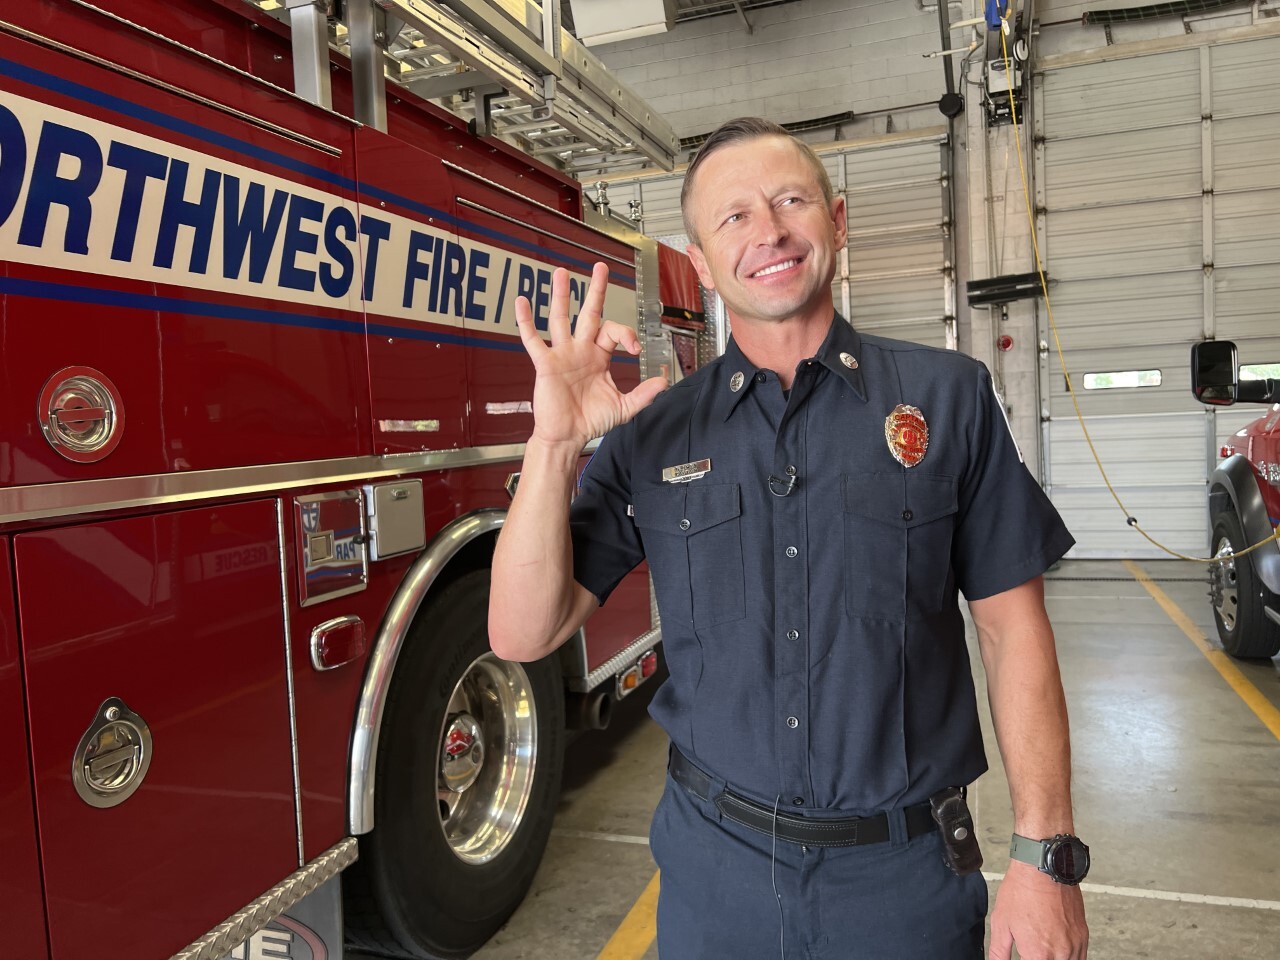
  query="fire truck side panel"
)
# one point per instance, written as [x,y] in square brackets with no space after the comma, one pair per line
[179,616]
[625,614]
[178,239]
[417,352]
[203,26]
[21,905]
[422,124]
[326,701]
[52,321]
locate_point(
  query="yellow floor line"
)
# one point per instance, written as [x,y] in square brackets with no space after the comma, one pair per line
[1251,695]
[638,929]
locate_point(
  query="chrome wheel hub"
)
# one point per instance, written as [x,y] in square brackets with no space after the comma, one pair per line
[462,753]
[486,755]
[1223,589]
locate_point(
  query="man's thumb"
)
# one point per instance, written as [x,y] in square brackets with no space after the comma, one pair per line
[643,395]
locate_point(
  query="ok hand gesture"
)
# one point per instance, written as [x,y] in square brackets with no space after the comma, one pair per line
[574,396]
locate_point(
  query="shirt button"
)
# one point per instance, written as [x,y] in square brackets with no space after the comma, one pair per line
[792,551]
[760,377]
[791,471]
[793,634]
[792,722]
[907,515]
[798,801]
[684,524]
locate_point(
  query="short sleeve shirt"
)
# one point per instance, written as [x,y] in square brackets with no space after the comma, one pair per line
[806,579]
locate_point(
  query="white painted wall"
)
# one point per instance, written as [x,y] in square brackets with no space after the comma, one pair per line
[802,60]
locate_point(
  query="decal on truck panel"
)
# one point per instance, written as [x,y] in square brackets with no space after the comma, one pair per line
[283,939]
[83,195]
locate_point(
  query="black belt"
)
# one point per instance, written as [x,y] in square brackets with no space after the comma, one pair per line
[844,832]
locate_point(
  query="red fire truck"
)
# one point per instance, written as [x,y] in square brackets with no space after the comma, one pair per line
[262,401]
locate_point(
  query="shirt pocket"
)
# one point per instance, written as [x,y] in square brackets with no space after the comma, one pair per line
[693,541]
[897,543]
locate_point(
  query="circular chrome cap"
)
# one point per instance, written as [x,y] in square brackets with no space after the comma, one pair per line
[113,756]
[81,414]
[461,753]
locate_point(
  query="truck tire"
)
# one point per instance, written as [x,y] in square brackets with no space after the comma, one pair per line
[468,777]
[1238,596]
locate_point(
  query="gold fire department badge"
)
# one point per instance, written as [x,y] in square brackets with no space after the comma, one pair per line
[907,434]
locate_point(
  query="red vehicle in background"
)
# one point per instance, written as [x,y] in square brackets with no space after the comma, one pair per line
[1244,507]
[262,401]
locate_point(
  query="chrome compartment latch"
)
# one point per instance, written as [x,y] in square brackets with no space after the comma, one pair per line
[113,756]
[81,414]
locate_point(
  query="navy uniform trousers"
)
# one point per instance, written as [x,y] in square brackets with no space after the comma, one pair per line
[887,901]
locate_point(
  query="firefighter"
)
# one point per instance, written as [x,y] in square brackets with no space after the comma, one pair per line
[810,504]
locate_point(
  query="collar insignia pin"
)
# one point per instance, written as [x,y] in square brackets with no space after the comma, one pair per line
[736,381]
[849,361]
[907,434]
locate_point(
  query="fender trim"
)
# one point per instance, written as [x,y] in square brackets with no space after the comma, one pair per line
[1236,478]
[395,627]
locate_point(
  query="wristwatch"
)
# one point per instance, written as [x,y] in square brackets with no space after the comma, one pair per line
[1063,857]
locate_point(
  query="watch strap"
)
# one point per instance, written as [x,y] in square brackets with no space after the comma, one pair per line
[1027,850]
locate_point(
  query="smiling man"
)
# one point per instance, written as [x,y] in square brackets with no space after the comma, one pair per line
[839,492]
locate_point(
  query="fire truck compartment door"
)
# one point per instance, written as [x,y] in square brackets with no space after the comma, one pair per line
[178,616]
[21,906]
[417,290]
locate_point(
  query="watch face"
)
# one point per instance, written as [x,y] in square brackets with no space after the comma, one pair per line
[1067,859]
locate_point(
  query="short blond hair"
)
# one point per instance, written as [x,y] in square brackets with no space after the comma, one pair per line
[742,130]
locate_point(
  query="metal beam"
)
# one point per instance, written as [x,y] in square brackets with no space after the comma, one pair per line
[368,33]
[309,29]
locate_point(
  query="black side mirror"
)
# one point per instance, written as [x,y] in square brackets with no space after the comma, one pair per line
[1215,372]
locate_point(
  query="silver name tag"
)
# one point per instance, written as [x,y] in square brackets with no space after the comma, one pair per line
[686,472]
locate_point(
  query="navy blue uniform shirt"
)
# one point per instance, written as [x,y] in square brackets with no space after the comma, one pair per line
[815,641]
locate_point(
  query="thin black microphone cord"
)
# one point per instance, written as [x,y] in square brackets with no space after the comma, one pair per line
[782,486]
[773,876]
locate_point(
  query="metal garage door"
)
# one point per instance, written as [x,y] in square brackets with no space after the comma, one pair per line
[895,279]
[1160,226]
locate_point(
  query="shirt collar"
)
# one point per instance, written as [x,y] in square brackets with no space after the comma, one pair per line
[735,368]
[841,353]
[842,341]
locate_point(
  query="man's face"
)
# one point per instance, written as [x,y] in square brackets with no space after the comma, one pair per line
[767,239]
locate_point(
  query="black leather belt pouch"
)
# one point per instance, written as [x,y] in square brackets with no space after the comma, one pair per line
[959,840]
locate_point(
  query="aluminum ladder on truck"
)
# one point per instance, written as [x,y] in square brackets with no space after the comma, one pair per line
[533,85]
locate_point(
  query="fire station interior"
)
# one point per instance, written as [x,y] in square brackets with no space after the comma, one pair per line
[1176,743]
[1078,193]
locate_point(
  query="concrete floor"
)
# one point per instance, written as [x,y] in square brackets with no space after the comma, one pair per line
[1177,791]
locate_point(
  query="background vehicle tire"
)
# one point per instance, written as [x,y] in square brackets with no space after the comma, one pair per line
[468,776]
[1238,603]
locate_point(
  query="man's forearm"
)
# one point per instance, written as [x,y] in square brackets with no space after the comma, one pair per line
[1030,715]
[535,604]
[1028,707]
[1041,917]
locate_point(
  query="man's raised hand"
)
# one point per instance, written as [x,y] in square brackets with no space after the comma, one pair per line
[574,396]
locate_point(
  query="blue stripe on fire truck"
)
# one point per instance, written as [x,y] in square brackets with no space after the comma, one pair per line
[97,296]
